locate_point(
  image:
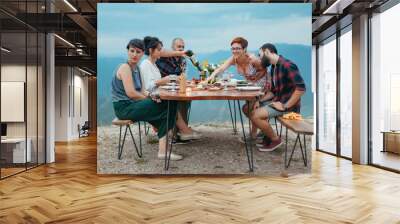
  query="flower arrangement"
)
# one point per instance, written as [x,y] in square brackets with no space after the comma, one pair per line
[209,68]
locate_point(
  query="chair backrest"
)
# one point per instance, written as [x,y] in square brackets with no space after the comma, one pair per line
[86,125]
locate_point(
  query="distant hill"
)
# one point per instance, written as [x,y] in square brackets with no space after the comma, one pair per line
[204,111]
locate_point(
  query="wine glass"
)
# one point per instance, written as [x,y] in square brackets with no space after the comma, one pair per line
[173,79]
[226,77]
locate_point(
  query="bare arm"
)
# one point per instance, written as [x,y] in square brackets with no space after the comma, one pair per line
[221,69]
[268,96]
[162,81]
[124,73]
[167,53]
[260,71]
[294,98]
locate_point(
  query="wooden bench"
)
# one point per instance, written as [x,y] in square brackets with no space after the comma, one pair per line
[127,124]
[299,127]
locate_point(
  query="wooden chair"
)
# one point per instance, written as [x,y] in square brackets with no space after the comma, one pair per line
[299,127]
[127,124]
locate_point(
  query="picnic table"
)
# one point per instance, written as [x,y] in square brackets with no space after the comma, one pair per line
[230,94]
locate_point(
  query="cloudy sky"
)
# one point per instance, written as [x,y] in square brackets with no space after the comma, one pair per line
[205,27]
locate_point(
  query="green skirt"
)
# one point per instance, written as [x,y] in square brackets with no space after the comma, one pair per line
[149,111]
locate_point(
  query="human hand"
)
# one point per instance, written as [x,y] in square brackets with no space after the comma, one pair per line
[278,105]
[204,82]
[155,97]
[250,77]
[189,53]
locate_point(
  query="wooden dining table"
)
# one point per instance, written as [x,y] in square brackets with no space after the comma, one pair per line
[206,94]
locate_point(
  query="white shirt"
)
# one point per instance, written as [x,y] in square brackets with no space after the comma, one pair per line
[150,74]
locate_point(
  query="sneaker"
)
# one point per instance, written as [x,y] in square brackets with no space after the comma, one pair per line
[192,136]
[264,141]
[178,141]
[174,156]
[269,146]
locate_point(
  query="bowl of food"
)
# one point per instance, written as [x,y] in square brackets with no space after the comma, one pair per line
[199,87]
[214,88]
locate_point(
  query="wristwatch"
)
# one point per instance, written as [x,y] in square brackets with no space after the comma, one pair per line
[285,107]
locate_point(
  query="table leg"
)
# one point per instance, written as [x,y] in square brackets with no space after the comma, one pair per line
[286,136]
[230,112]
[251,139]
[168,143]
[249,157]
[166,163]
[305,150]
[234,116]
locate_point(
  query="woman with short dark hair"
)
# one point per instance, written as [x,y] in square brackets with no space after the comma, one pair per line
[132,102]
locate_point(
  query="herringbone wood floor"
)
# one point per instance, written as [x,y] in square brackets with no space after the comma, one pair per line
[70,191]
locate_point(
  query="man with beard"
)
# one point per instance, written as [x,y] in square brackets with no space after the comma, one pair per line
[287,86]
[177,66]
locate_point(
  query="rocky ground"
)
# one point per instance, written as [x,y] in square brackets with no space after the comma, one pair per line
[219,152]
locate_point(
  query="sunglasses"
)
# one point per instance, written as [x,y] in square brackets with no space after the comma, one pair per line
[236,48]
[181,46]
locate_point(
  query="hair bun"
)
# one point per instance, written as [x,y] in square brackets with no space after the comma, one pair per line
[147,40]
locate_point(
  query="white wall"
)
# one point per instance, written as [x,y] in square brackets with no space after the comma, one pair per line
[70,83]
[33,127]
[61,103]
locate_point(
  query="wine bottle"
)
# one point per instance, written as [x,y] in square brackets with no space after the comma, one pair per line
[195,63]
[203,75]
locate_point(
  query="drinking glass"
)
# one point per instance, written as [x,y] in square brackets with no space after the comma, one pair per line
[173,79]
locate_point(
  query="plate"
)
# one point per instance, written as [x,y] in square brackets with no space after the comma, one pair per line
[171,84]
[242,82]
[249,88]
[214,88]
[169,87]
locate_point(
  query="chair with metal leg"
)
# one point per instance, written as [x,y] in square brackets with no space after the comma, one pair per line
[121,141]
[146,128]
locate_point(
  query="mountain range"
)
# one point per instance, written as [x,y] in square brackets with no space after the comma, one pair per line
[204,111]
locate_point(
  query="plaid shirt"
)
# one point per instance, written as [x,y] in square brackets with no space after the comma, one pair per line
[171,65]
[286,80]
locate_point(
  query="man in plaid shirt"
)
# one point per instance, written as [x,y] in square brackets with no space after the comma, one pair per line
[286,88]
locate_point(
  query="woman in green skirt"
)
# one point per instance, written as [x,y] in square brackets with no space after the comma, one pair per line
[132,102]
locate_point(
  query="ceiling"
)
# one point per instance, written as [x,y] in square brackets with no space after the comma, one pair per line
[76,22]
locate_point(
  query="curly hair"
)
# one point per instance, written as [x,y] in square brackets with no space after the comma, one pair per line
[240,40]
